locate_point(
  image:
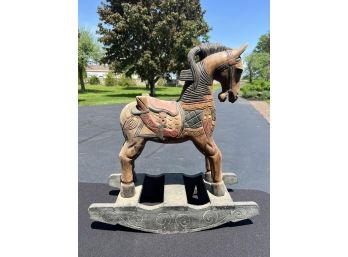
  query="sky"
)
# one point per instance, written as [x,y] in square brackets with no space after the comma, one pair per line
[233,22]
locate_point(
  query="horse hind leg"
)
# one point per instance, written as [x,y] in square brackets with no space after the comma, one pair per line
[214,157]
[130,150]
[208,174]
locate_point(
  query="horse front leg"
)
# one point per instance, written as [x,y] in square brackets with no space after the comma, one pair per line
[207,146]
[130,150]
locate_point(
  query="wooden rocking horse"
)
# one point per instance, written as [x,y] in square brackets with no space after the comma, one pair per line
[191,117]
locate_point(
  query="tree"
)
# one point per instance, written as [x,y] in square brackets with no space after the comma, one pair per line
[261,65]
[264,44]
[250,67]
[258,61]
[150,37]
[258,66]
[88,50]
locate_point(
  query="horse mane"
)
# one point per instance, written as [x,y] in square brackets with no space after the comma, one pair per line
[202,51]
[196,78]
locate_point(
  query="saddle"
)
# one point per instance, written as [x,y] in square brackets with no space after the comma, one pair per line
[161,117]
[148,103]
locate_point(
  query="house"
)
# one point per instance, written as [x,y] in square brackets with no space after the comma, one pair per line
[99,70]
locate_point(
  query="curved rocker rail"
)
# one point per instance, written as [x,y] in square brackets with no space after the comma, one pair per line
[175,214]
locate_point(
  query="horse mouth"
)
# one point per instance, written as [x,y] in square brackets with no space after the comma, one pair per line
[231,97]
[222,96]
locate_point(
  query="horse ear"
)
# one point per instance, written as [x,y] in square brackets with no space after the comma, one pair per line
[241,49]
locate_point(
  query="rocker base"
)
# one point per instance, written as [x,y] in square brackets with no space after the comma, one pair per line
[175,214]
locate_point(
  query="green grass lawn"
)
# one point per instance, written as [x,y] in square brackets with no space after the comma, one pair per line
[98,94]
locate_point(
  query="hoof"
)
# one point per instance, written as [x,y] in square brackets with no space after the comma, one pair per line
[218,188]
[208,177]
[127,190]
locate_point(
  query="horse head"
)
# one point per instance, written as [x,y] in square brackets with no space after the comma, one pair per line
[222,63]
[228,73]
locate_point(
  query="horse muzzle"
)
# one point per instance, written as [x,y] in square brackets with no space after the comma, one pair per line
[222,96]
[231,97]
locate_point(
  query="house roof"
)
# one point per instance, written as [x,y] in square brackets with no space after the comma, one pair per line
[97,67]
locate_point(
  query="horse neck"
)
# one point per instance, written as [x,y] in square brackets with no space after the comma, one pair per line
[212,62]
[198,92]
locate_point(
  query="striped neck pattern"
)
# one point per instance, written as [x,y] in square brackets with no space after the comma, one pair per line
[196,93]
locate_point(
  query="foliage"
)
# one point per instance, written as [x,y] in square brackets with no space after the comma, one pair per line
[161,82]
[264,44]
[110,79]
[258,62]
[94,80]
[125,81]
[150,37]
[88,50]
[258,66]
[257,90]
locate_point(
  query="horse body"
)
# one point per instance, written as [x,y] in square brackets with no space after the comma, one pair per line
[192,118]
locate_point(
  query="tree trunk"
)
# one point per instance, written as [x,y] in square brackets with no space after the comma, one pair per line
[250,75]
[82,83]
[250,78]
[151,82]
[177,78]
[152,88]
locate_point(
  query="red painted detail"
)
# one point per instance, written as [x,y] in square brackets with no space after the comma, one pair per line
[208,127]
[154,126]
[149,122]
[170,133]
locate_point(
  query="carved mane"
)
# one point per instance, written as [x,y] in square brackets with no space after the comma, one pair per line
[202,51]
[196,78]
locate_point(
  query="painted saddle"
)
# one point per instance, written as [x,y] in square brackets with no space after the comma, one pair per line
[163,118]
[148,103]
[171,119]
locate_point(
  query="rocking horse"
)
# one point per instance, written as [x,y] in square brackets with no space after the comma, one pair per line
[192,117]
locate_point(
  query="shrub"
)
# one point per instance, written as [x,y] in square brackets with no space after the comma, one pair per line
[124,81]
[256,90]
[94,80]
[265,85]
[110,80]
[266,95]
[161,82]
[249,94]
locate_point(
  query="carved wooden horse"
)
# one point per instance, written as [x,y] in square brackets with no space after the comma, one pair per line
[192,117]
